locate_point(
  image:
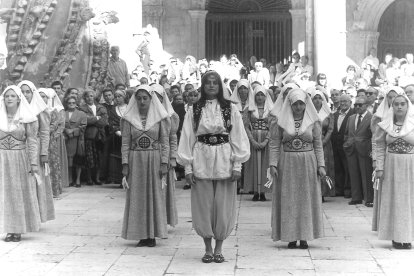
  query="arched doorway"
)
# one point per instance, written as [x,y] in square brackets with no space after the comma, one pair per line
[262,28]
[396,29]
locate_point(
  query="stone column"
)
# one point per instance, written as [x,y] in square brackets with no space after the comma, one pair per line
[298,30]
[310,29]
[198,33]
[330,39]
[359,43]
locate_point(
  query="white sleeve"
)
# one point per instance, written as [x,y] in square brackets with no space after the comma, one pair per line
[239,141]
[186,144]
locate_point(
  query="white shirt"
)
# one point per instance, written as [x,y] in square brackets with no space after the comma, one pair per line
[93,107]
[341,118]
[213,162]
[357,117]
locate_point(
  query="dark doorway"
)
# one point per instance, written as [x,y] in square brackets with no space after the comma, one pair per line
[247,28]
[396,29]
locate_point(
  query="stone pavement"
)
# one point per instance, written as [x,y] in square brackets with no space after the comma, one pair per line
[84,240]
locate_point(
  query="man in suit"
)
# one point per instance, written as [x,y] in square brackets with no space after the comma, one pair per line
[342,182]
[372,95]
[358,147]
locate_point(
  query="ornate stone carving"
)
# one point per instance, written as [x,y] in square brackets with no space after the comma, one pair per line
[67,49]
[359,20]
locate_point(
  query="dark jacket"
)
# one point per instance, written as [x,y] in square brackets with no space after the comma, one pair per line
[95,129]
[337,137]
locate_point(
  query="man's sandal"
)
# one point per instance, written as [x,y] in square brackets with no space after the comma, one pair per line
[207,258]
[218,258]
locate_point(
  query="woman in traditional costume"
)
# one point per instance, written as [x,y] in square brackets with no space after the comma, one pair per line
[57,148]
[39,108]
[325,116]
[172,217]
[18,164]
[382,110]
[256,123]
[395,168]
[212,147]
[145,158]
[297,204]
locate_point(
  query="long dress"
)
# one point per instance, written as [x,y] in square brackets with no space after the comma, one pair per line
[395,156]
[56,128]
[297,204]
[144,151]
[257,129]
[172,216]
[327,129]
[377,192]
[18,202]
[114,173]
[63,156]
[44,191]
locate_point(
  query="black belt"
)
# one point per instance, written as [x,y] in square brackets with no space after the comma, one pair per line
[213,139]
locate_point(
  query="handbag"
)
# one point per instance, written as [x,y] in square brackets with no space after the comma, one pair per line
[79,156]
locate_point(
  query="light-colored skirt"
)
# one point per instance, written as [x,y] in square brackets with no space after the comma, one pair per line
[18,203]
[145,211]
[297,199]
[397,199]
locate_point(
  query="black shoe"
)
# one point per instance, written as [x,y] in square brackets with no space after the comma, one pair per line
[323,199]
[406,245]
[77,185]
[207,258]
[292,245]
[355,202]
[397,245]
[186,187]
[238,191]
[303,245]
[142,243]
[369,204]
[347,196]
[218,258]
[17,237]
[71,184]
[262,197]
[151,242]
[97,183]
[9,237]
[89,183]
[255,197]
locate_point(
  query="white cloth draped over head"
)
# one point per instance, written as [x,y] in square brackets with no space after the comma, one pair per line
[159,89]
[383,108]
[310,116]
[325,111]
[277,106]
[37,104]
[252,102]
[387,123]
[156,111]
[24,112]
[235,97]
[53,101]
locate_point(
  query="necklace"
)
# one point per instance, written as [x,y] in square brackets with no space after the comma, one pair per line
[397,127]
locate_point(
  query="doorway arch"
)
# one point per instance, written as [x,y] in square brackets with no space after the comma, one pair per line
[262,28]
[396,29]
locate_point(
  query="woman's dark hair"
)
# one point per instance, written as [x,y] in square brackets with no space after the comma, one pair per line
[220,96]
[108,89]
[319,77]
[126,98]
[117,86]
[67,98]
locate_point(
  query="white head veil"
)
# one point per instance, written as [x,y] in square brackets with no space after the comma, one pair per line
[156,111]
[287,122]
[383,108]
[24,112]
[277,106]
[252,102]
[53,101]
[37,104]
[235,98]
[159,89]
[387,123]
[325,111]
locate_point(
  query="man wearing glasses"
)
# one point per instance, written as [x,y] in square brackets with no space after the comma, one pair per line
[358,147]
[342,182]
[372,94]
